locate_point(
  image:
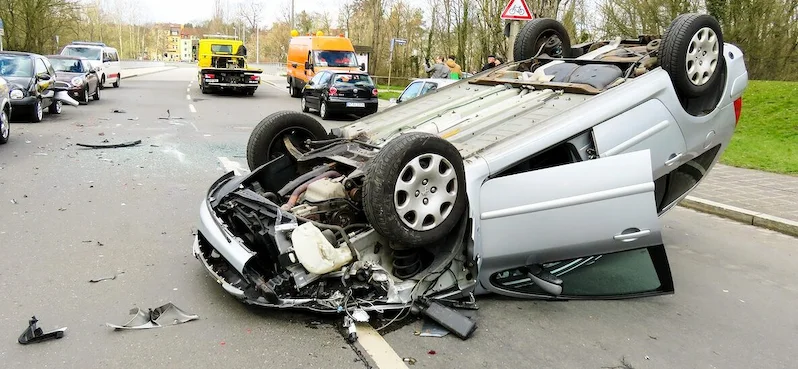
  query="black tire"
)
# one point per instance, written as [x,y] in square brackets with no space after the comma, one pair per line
[96,95]
[37,112]
[55,107]
[266,141]
[380,193]
[85,97]
[323,112]
[674,59]
[5,126]
[118,80]
[303,103]
[102,82]
[293,90]
[537,32]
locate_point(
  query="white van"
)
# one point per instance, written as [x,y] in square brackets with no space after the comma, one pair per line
[101,56]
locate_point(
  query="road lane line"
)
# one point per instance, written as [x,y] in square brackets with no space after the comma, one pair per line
[378,349]
[229,165]
[192,108]
[188,89]
[195,127]
[188,97]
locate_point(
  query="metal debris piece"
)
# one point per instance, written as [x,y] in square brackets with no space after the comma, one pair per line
[34,334]
[167,314]
[111,146]
[105,278]
[409,360]
[432,329]
[119,111]
[360,315]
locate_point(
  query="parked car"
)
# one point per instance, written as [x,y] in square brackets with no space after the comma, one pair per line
[101,56]
[32,78]
[333,92]
[542,178]
[79,74]
[5,111]
[421,87]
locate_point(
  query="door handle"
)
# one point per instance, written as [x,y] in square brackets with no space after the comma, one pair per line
[626,237]
[674,158]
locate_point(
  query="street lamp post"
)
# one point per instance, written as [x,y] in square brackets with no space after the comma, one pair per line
[397,41]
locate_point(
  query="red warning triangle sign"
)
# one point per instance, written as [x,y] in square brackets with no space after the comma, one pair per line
[517,10]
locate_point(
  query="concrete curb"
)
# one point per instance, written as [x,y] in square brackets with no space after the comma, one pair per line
[746,216]
[126,76]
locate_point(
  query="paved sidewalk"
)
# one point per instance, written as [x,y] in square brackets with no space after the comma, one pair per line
[769,193]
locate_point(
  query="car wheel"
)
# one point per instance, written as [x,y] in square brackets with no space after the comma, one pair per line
[414,191]
[542,36]
[55,107]
[5,129]
[267,139]
[118,80]
[102,82]
[38,112]
[97,93]
[323,113]
[295,92]
[691,51]
[303,103]
[85,95]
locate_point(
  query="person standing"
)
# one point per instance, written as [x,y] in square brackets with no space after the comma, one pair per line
[437,70]
[455,72]
[491,63]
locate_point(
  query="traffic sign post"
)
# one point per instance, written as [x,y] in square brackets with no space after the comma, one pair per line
[2,33]
[515,12]
[394,41]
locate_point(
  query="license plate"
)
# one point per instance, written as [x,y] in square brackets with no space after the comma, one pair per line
[355,105]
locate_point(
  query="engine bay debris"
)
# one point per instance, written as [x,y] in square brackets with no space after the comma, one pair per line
[167,314]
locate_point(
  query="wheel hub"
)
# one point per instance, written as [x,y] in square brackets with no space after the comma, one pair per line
[3,125]
[425,191]
[702,56]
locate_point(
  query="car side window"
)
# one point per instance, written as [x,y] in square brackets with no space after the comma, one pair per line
[317,78]
[40,67]
[411,91]
[49,66]
[429,86]
[326,79]
[114,56]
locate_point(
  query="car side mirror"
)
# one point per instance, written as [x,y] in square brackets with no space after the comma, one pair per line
[43,76]
[363,66]
[308,66]
[311,83]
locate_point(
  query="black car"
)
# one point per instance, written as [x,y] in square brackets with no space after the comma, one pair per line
[32,79]
[332,92]
[79,74]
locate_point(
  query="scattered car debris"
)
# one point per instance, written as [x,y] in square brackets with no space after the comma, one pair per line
[34,334]
[452,320]
[14,201]
[167,314]
[119,111]
[409,360]
[110,145]
[106,278]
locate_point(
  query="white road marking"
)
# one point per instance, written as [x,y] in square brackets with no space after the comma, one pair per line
[195,127]
[188,97]
[274,85]
[192,108]
[235,166]
[188,89]
[378,349]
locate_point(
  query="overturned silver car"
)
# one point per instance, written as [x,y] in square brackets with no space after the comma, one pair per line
[541,178]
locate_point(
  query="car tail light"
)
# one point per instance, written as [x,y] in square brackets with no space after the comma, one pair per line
[253,78]
[333,91]
[374,92]
[208,75]
[738,109]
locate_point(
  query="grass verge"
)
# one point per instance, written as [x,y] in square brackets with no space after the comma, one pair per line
[766,137]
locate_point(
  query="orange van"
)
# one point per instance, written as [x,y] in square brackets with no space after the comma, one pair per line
[308,55]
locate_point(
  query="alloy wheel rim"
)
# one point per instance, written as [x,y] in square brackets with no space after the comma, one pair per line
[4,124]
[58,105]
[702,56]
[425,191]
[323,109]
[39,109]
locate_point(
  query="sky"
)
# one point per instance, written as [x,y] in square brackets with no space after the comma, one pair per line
[188,11]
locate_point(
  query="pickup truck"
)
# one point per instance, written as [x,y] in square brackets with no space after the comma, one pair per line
[223,66]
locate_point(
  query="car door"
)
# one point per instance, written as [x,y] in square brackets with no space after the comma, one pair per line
[647,126]
[583,230]
[311,91]
[43,84]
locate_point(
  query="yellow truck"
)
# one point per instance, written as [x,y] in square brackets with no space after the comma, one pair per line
[223,66]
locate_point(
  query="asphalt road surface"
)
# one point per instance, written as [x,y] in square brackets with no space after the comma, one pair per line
[69,215]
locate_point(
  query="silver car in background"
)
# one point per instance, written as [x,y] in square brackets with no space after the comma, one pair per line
[540,178]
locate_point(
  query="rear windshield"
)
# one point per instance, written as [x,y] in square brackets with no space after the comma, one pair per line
[16,66]
[343,80]
[86,52]
[328,58]
[221,49]
[67,65]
